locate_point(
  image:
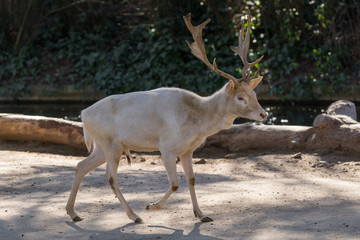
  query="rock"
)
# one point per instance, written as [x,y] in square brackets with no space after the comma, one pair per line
[323,164]
[346,119]
[297,155]
[342,107]
[142,159]
[319,119]
[344,111]
[201,161]
[231,155]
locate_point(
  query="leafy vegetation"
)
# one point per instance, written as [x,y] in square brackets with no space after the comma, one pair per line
[115,47]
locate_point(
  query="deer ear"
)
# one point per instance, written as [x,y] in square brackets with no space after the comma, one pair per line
[231,86]
[254,82]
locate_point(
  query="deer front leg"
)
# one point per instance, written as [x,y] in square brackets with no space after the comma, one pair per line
[186,161]
[112,160]
[170,166]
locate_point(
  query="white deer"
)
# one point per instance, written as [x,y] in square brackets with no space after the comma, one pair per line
[170,120]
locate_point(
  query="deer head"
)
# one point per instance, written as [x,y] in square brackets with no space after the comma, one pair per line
[242,97]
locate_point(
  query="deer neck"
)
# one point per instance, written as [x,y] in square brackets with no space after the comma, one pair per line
[217,116]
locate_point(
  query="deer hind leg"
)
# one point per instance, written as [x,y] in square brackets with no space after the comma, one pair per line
[186,161]
[170,166]
[112,163]
[95,159]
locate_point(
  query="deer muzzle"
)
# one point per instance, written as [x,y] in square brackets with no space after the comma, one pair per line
[263,115]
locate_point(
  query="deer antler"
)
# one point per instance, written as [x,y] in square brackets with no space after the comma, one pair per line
[198,49]
[243,48]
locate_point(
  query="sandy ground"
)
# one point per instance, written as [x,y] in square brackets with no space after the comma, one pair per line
[249,195]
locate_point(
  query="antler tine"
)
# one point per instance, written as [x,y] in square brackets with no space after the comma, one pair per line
[243,47]
[198,48]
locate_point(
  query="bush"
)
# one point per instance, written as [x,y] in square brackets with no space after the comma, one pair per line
[117,47]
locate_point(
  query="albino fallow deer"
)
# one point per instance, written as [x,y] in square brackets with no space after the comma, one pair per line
[170,120]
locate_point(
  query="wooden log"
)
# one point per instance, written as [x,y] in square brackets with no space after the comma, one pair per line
[332,133]
[337,130]
[42,129]
[266,137]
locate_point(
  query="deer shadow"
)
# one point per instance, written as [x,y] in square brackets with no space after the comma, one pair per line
[127,232]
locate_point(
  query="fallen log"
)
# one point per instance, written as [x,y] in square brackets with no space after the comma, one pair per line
[330,133]
[268,137]
[59,131]
[337,130]
[334,133]
[43,129]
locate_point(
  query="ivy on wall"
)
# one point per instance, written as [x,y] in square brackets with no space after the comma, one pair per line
[117,46]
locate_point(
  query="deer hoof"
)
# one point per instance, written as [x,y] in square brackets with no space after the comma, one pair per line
[153,206]
[138,220]
[77,219]
[206,219]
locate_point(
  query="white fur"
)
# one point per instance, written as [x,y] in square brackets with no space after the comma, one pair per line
[171,120]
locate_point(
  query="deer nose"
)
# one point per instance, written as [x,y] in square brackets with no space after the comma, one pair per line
[263,115]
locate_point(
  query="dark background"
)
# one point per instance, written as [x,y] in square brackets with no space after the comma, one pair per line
[311,48]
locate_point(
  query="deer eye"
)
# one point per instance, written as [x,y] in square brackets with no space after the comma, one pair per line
[241,99]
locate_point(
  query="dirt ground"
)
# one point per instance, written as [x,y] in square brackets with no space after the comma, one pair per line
[252,195]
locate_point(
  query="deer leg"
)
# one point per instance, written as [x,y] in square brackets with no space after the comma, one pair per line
[95,159]
[186,161]
[170,166]
[112,160]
